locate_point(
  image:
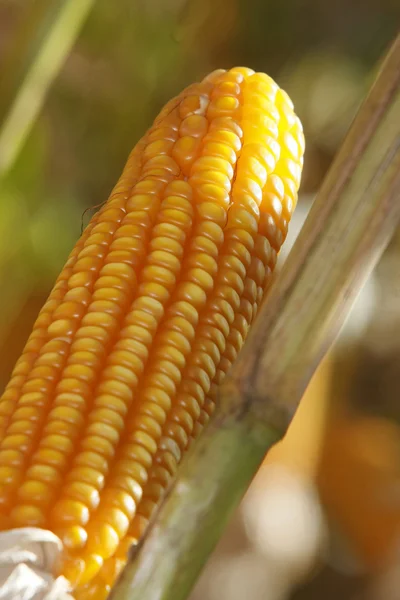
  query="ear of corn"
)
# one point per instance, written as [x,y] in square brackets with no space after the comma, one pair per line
[122,368]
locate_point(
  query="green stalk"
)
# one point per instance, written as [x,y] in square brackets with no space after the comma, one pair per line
[347,229]
[63,31]
[37,20]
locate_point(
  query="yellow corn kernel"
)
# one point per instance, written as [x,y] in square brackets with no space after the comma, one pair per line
[123,366]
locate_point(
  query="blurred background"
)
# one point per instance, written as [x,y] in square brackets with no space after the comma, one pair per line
[80,81]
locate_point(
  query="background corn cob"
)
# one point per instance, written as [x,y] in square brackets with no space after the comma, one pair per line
[122,368]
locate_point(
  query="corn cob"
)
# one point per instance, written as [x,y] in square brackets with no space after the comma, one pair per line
[122,369]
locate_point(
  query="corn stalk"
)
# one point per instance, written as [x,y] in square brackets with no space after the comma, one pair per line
[349,226]
[58,26]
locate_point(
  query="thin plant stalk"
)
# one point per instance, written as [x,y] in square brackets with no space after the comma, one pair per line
[347,229]
[24,110]
[20,53]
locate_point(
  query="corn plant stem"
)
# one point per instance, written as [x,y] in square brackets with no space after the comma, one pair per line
[26,42]
[63,30]
[347,229]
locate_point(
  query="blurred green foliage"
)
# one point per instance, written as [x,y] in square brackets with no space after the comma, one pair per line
[129,59]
